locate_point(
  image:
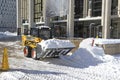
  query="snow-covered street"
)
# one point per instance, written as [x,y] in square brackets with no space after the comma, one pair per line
[86,63]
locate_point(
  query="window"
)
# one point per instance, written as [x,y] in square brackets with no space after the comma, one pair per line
[114,7]
[96,7]
[78,8]
[38,9]
[24,8]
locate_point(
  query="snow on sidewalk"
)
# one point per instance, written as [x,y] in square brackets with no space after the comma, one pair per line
[29,69]
[87,63]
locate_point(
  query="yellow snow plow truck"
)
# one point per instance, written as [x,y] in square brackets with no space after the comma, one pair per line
[39,44]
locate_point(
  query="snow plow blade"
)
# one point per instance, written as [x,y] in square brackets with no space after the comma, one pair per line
[54,48]
[55,52]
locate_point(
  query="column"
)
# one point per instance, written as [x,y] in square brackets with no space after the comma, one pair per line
[106,18]
[90,8]
[103,13]
[85,8]
[31,14]
[46,19]
[70,20]
[119,8]
[19,21]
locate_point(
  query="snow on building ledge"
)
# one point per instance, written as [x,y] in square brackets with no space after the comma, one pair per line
[110,46]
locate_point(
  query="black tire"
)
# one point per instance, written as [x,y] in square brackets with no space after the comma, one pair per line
[34,54]
[27,51]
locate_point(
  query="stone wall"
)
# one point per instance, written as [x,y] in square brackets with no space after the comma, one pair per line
[111,48]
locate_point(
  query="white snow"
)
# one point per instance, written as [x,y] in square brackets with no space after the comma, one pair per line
[107,41]
[44,27]
[94,50]
[7,34]
[56,43]
[87,63]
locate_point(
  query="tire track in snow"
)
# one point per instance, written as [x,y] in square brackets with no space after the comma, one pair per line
[63,70]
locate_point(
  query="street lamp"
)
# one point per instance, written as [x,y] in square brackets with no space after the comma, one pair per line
[90,26]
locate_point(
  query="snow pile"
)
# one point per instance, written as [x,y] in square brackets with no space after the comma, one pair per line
[56,43]
[86,43]
[87,54]
[7,34]
[91,55]
[94,50]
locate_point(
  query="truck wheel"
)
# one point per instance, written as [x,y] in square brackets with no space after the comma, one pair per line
[34,54]
[27,51]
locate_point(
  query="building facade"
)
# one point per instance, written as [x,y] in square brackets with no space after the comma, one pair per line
[8,15]
[86,18]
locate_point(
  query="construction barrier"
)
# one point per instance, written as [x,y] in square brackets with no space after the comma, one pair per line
[5,64]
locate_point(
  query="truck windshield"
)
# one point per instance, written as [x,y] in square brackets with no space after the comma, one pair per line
[44,34]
